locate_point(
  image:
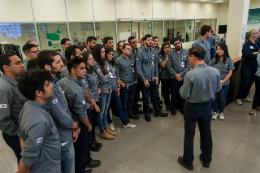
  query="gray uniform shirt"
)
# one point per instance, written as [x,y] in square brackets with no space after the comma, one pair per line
[215,40]
[11,103]
[223,68]
[25,62]
[60,113]
[65,73]
[112,75]
[41,139]
[147,64]
[164,71]
[75,96]
[126,70]
[178,63]
[104,82]
[115,54]
[205,45]
[92,88]
[200,84]
[63,56]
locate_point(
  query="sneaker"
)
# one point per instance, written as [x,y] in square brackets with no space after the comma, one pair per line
[112,127]
[221,116]
[239,102]
[129,126]
[248,99]
[215,116]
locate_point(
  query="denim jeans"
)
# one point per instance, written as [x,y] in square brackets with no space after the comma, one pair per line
[220,99]
[127,96]
[248,77]
[68,158]
[176,100]
[104,100]
[146,95]
[201,113]
[115,99]
[212,53]
[257,92]
[14,144]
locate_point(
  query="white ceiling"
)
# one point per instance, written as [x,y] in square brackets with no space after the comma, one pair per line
[209,1]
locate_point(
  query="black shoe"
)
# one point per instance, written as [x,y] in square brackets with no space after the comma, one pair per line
[148,118]
[140,99]
[180,160]
[168,108]
[134,117]
[173,112]
[94,147]
[93,164]
[151,110]
[139,105]
[97,143]
[161,102]
[136,112]
[206,165]
[88,171]
[182,111]
[161,114]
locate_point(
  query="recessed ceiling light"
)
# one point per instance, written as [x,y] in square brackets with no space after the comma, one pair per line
[219,1]
[203,0]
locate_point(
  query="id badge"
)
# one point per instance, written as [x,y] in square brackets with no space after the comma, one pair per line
[133,70]
[111,75]
[251,47]
[152,63]
[182,64]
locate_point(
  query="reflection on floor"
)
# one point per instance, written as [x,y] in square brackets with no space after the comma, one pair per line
[155,146]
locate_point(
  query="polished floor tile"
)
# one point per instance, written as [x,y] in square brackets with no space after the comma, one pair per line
[154,147]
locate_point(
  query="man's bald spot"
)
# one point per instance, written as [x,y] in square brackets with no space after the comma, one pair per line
[252,31]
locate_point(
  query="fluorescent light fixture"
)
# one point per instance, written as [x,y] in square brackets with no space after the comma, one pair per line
[219,1]
[203,0]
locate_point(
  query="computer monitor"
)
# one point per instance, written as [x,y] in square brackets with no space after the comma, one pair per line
[222,29]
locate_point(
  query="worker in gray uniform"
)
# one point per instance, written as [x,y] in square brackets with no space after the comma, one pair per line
[41,148]
[108,43]
[91,42]
[178,65]
[67,128]
[199,87]
[215,40]
[31,51]
[11,101]
[81,113]
[156,44]
[147,70]
[203,42]
[65,43]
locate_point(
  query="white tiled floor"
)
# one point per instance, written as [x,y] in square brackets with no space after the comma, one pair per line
[154,147]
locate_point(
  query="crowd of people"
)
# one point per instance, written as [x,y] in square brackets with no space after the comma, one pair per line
[52,102]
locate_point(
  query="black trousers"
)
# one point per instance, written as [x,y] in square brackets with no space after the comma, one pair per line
[14,144]
[93,122]
[166,91]
[257,93]
[201,113]
[81,147]
[176,100]
[248,77]
[137,95]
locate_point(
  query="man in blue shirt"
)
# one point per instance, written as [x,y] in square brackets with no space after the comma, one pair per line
[249,65]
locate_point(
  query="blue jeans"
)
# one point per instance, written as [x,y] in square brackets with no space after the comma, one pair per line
[212,53]
[248,77]
[104,100]
[220,99]
[146,95]
[115,99]
[68,158]
[127,96]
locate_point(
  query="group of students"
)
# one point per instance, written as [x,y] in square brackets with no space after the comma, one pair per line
[54,130]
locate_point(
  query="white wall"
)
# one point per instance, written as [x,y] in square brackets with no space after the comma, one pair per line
[141,9]
[125,12]
[254,4]
[104,10]
[79,10]
[189,10]
[164,9]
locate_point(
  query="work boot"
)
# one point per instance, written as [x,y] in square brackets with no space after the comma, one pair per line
[110,131]
[106,135]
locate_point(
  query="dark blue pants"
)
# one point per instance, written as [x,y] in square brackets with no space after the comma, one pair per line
[257,92]
[116,101]
[146,95]
[166,91]
[137,94]
[81,147]
[176,98]
[127,97]
[14,144]
[247,79]
[212,53]
[94,122]
[220,99]
[201,113]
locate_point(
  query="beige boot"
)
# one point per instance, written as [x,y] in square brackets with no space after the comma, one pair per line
[106,135]
[110,131]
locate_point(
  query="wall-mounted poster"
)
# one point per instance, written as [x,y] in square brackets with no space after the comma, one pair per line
[253,19]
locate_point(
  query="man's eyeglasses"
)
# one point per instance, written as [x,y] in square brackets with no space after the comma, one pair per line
[134,42]
[176,43]
[34,51]
[128,49]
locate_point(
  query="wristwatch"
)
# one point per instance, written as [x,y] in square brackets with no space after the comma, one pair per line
[78,126]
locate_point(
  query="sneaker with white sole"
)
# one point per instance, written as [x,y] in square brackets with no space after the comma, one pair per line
[112,127]
[215,116]
[239,101]
[247,99]
[221,116]
[129,126]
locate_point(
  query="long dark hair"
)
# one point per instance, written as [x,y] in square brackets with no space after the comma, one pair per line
[163,45]
[223,47]
[97,57]
[85,56]
[108,50]
[119,51]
